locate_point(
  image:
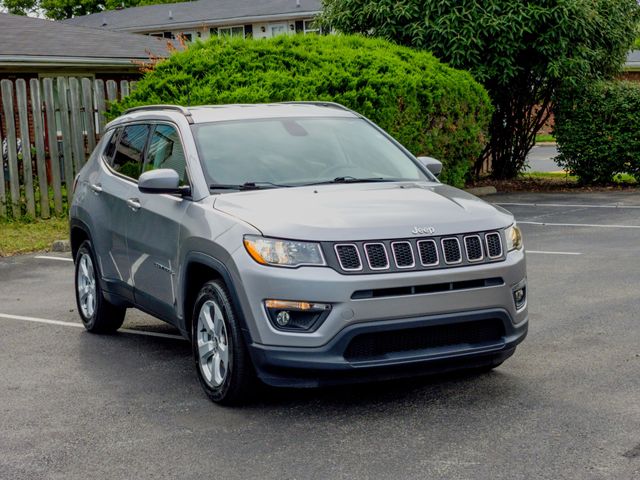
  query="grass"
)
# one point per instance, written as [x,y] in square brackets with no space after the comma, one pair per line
[23,236]
[545,137]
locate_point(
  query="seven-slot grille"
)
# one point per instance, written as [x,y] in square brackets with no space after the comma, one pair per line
[451,249]
[376,256]
[417,254]
[473,248]
[349,257]
[494,245]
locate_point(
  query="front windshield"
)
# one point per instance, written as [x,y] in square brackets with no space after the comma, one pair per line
[299,151]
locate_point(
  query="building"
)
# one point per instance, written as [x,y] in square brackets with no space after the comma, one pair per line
[36,48]
[631,70]
[203,18]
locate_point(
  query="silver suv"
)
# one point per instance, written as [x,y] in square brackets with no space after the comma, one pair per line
[297,244]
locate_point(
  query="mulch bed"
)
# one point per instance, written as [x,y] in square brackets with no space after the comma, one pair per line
[548,185]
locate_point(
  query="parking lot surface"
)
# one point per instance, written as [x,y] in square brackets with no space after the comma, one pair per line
[75,405]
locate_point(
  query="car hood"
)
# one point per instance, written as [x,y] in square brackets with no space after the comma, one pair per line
[363,211]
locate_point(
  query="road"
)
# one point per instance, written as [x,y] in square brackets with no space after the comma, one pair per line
[567,406]
[541,157]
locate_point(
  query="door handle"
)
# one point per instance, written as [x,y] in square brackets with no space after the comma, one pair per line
[134,204]
[96,187]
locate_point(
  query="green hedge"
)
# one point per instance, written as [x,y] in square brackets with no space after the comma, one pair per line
[429,107]
[598,131]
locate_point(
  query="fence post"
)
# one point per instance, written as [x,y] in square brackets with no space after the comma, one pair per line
[66,136]
[112,91]
[12,153]
[89,114]
[3,193]
[100,105]
[38,137]
[27,164]
[77,134]
[52,135]
[124,89]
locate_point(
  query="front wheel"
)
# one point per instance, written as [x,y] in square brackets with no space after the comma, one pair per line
[97,314]
[219,351]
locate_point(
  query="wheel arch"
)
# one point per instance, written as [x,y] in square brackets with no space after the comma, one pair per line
[199,269]
[78,233]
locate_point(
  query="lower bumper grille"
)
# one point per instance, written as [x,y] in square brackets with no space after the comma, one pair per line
[368,346]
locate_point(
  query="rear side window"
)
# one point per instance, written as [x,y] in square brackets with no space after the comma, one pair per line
[110,149]
[165,151]
[128,156]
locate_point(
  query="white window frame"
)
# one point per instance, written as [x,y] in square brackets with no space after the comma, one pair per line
[230,29]
[306,30]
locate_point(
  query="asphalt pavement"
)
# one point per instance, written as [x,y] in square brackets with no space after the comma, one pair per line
[128,406]
[541,159]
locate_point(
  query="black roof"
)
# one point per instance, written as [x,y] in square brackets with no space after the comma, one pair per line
[193,13]
[34,37]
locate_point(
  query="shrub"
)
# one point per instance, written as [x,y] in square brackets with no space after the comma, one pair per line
[597,131]
[429,107]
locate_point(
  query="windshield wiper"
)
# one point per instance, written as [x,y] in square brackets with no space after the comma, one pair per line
[354,180]
[246,186]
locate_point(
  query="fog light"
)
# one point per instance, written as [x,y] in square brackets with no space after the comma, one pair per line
[283,318]
[520,294]
[296,316]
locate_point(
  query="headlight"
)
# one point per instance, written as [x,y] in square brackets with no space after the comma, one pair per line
[514,238]
[283,253]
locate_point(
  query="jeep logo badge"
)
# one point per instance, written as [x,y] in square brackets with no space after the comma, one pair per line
[423,230]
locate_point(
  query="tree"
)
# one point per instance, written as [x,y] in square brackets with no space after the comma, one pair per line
[522,51]
[63,9]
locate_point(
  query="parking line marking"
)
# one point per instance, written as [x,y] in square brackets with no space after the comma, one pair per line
[589,225]
[553,253]
[569,205]
[46,257]
[74,324]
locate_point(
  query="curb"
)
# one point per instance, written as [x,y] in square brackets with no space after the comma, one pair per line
[61,246]
[481,191]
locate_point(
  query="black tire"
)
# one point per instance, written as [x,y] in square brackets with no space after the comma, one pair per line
[104,317]
[240,379]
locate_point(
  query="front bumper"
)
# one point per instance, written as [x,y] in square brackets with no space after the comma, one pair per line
[327,365]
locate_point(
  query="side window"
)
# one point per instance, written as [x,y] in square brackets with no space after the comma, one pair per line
[111,146]
[128,157]
[165,151]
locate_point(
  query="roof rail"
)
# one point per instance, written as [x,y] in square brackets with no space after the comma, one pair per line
[175,108]
[321,103]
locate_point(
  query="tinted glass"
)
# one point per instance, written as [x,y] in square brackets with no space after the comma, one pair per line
[165,151]
[111,146]
[299,150]
[128,157]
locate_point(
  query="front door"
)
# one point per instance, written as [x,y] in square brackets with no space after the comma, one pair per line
[154,231]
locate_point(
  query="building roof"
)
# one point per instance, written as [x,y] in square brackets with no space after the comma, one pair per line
[193,14]
[33,40]
[633,60]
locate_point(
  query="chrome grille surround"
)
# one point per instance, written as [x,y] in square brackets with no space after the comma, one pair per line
[377,256]
[475,257]
[368,254]
[493,242]
[341,259]
[395,246]
[449,251]
[432,242]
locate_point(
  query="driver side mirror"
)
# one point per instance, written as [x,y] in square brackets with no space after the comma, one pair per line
[433,165]
[162,180]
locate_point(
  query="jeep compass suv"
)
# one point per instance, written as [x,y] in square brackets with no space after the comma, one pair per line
[297,243]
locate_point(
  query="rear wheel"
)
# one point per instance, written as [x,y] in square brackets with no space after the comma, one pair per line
[97,314]
[219,351]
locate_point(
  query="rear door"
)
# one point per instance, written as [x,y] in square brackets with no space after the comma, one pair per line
[115,183]
[154,231]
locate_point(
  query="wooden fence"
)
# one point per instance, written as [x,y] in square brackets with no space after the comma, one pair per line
[48,129]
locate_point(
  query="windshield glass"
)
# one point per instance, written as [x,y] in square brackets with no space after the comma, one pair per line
[299,151]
